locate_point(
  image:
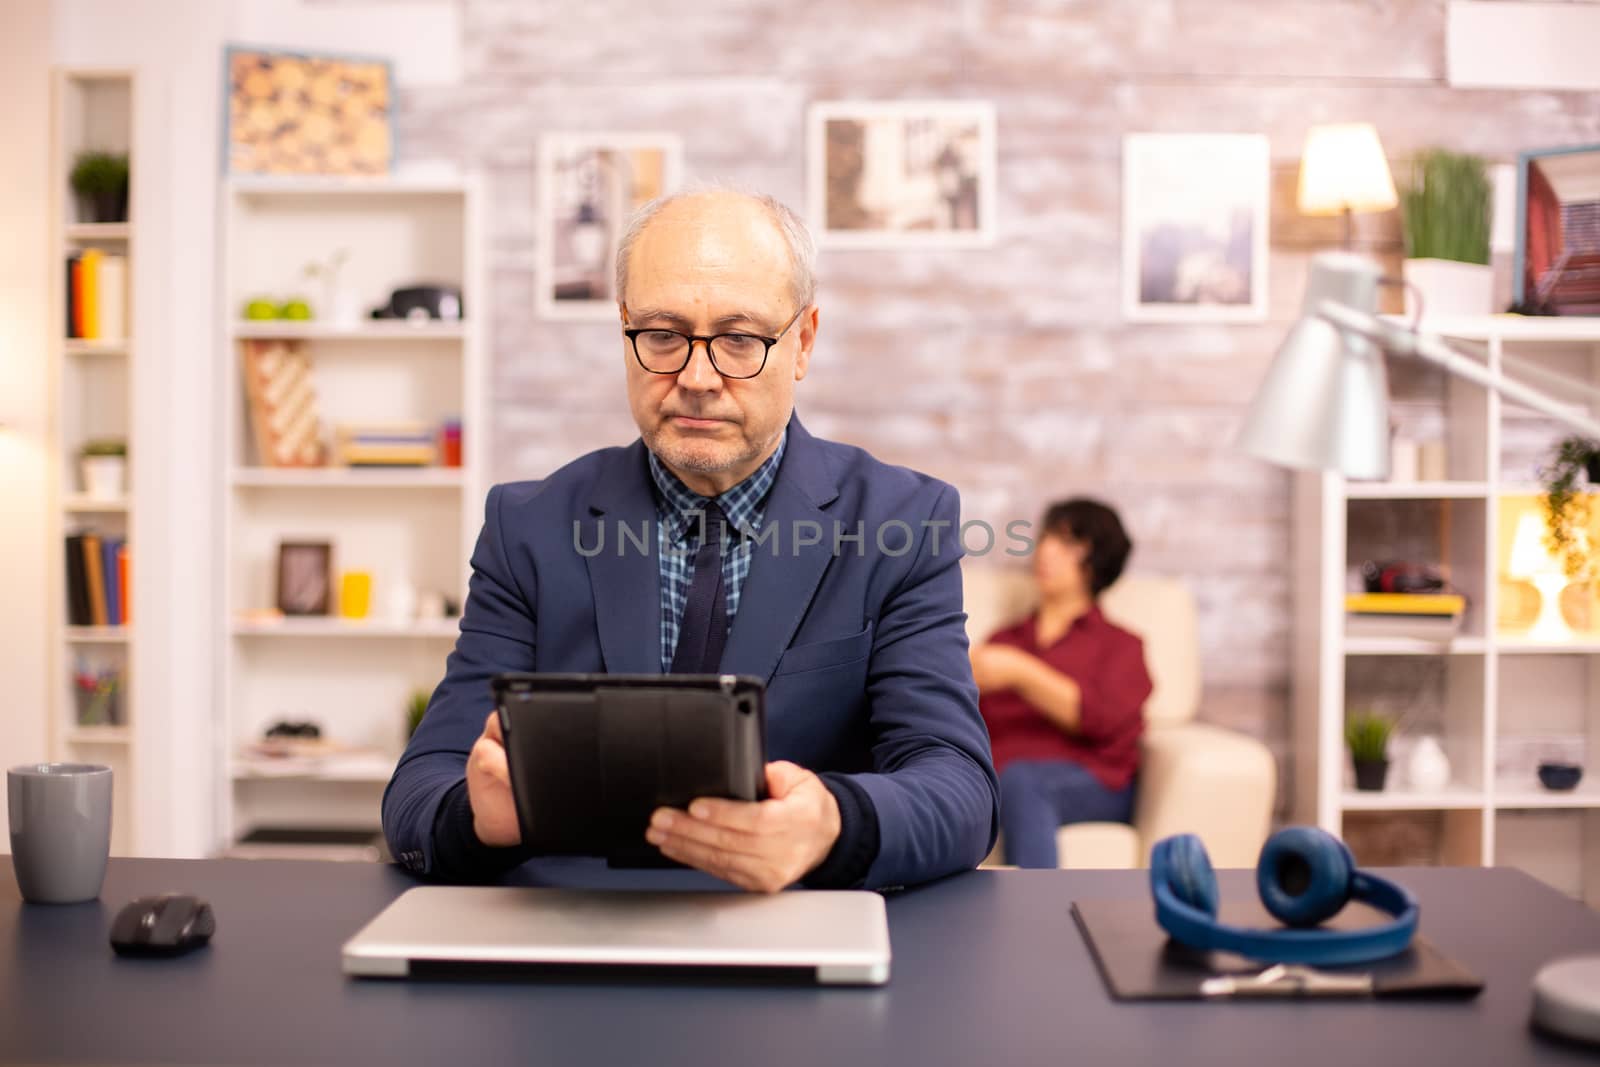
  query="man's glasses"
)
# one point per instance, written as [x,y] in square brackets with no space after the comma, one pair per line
[734,355]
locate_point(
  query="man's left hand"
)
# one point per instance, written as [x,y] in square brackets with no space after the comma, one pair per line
[764,846]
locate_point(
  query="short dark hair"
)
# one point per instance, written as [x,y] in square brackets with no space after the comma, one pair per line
[1098,526]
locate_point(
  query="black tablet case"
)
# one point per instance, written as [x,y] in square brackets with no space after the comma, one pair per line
[1138,961]
[591,757]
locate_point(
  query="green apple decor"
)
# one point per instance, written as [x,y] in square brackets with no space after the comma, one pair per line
[296,309]
[260,308]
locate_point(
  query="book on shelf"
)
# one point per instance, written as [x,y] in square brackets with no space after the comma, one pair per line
[97,296]
[395,444]
[1434,617]
[97,580]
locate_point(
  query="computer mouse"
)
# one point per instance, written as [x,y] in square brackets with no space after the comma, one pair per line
[165,925]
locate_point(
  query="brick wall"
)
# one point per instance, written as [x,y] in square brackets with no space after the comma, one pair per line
[1005,370]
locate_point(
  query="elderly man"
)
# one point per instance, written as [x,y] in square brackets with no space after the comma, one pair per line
[832,577]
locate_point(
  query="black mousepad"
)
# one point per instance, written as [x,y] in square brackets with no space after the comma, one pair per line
[1138,961]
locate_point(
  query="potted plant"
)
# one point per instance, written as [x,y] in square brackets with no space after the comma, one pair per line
[101,181]
[1367,735]
[1566,505]
[416,708]
[1445,217]
[104,464]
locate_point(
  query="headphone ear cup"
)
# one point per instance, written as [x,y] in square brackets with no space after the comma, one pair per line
[1189,873]
[1304,875]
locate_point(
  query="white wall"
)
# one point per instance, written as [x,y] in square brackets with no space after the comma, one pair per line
[24,402]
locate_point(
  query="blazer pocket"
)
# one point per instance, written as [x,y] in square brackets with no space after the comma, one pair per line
[820,654]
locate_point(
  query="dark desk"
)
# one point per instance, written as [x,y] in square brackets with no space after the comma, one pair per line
[989,968]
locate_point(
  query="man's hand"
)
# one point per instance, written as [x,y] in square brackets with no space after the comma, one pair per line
[996,667]
[494,812]
[764,846]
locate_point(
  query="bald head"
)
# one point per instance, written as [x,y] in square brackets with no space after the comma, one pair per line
[725,215]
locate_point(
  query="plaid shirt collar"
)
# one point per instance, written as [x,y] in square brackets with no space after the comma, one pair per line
[680,507]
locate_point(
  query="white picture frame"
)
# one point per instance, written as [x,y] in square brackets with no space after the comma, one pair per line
[588,185]
[933,184]
[1185,199]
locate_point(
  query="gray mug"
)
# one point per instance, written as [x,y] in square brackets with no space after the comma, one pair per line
[60,830]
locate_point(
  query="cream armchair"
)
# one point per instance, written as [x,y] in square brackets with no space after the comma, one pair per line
[1193,777]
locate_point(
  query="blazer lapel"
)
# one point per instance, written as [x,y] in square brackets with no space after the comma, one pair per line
[629,624]
[780,584]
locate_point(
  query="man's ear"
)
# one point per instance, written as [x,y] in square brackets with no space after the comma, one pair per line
[807,325]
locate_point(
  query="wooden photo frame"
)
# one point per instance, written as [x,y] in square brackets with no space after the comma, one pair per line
[305,577]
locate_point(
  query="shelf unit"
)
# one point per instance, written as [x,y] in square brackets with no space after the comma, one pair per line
[91,397]
[1498,701]
[407,527]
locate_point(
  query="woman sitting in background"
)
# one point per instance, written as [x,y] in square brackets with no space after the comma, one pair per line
[1063,690]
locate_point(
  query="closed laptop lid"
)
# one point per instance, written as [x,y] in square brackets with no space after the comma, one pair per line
[823,936]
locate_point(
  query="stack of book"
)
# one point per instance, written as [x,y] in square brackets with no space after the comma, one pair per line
[97,296]
[97,580]
[1414,616]
[395,444]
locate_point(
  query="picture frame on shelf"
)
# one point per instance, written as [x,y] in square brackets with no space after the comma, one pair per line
[306,113]
[589,186]
[901,173]
[305,578]
[1194,227]
[1558,195]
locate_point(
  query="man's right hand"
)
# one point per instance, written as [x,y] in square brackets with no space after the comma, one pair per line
[494,812]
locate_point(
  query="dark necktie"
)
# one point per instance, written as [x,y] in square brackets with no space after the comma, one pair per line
[704,629]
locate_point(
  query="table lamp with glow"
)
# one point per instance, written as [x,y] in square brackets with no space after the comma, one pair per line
[1342,171]
[1531,561]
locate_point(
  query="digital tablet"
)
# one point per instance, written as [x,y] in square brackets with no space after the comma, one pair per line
[593,755]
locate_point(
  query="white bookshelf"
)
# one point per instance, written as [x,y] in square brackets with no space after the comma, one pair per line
[92,397]
[1497,700]
[410,527]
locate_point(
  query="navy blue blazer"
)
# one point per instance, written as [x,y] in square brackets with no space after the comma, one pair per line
[861,643]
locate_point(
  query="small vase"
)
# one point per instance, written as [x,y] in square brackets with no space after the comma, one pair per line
[1370,774]
[1428,768]
[104,477]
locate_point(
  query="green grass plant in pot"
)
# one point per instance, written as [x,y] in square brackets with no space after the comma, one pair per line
[1445,219]
[1367,735]
[416,708]
[100,179]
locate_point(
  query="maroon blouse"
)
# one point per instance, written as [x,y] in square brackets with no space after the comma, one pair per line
[1107,662]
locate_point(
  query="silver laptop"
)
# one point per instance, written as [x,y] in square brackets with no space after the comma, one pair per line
[828,937]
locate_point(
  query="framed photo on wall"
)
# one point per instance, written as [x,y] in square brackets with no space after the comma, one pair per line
[305,577]
[588,187]
[901,174]
[1194,227]
[295,113]
[1557,269]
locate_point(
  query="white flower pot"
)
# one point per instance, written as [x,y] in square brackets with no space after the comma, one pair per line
[1449,288]
[104,477]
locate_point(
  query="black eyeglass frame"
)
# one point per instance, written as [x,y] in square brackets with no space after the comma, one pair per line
[632,334]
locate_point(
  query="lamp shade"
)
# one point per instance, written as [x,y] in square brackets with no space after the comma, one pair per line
[1324,403]
[1343,167]
[1530,558]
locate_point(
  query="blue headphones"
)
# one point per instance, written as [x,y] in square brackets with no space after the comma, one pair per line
[1305,875]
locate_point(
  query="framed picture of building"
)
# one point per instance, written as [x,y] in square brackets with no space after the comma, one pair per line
[1194,227]
[589,185]
[294,113]
[901,174]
